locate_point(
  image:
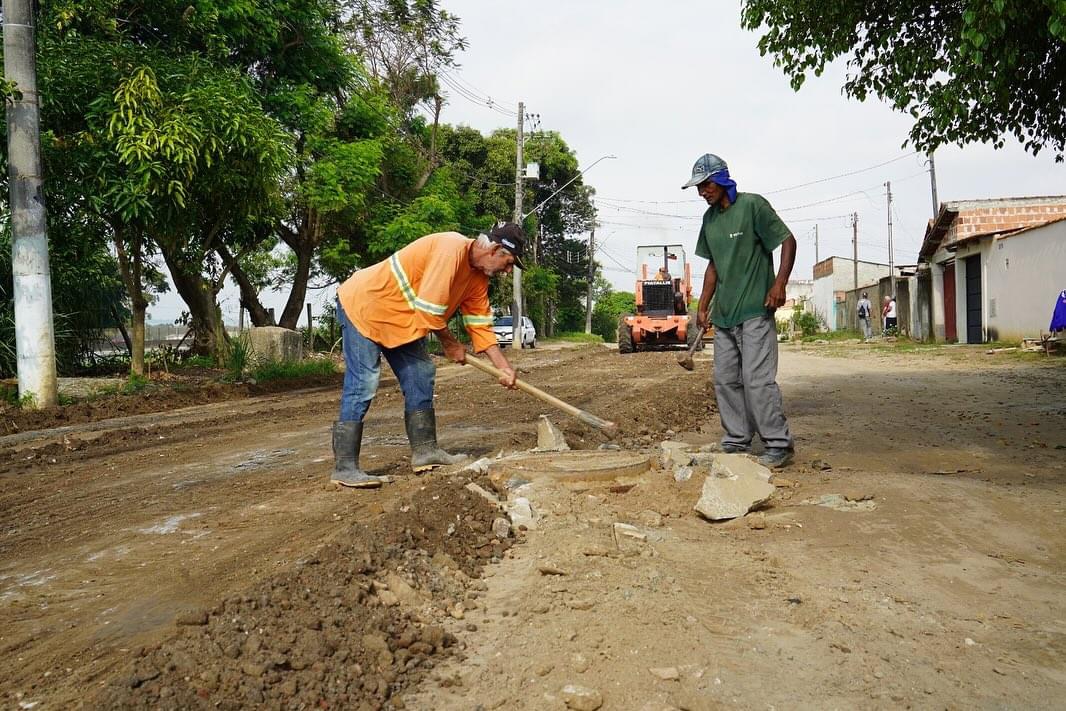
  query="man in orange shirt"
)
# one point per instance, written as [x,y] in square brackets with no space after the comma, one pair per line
[389,308]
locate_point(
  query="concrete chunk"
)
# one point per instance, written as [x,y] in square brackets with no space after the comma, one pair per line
[736,485]
[275,344]
[581,698]
[549,437]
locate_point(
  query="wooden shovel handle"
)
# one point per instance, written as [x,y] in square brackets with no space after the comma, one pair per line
[586,417]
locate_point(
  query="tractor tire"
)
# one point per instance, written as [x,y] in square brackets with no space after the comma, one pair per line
[693,331]
[625,336]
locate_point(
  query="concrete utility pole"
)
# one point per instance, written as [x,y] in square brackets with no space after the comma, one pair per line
[34,333]
[855,247]
[932,184]
[519,175]
[592,272]
[891,262]
[816,260]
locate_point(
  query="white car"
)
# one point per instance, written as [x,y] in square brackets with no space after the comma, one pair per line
[504,329]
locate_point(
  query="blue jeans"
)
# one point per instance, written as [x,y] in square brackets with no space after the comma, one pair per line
[362,360]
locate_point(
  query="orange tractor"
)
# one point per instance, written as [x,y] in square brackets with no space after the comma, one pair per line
[662,319]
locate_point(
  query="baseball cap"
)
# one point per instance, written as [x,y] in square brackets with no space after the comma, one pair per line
[706,165]
[511,238]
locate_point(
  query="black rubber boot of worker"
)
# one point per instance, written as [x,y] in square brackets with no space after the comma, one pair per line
[347,439]
[422,432]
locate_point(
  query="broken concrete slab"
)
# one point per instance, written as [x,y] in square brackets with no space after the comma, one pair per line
[521,513]
[549,437]
[735,486]
[673,454]
[840,502]
[569,468]
[480,466]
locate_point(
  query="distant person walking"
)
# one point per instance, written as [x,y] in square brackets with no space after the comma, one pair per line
[739,235]
[865,311]
[890,313]
[389,308]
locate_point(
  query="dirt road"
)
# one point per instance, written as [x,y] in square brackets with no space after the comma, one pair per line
[947,593]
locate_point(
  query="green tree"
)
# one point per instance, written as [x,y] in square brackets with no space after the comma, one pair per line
[607,310]
[966,70]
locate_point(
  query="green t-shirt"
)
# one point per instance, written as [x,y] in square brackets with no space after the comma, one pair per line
[740,241]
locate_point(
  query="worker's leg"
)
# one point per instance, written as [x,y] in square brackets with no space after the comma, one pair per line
[729,390]
[758,357]
[415,371]
[362,370]
[417,374]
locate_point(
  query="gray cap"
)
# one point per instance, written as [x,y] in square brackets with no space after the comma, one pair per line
[707,165]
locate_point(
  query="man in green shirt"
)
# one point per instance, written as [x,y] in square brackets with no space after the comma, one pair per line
[739,235]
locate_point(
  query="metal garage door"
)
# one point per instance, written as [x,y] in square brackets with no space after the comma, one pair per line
[973,300]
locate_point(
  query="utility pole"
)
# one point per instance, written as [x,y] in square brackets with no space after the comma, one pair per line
[891,263]
[855,247]
[519,173]
[592,272]
[34,333]
[816,260]
[932,184]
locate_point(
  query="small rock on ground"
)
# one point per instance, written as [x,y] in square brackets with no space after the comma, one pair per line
[581,698]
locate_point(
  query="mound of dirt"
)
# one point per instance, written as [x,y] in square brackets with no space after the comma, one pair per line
[349,627]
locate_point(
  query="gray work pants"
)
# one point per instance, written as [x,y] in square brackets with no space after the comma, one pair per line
[867,332]
[745,383]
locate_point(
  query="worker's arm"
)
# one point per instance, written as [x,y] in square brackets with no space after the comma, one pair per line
[451,345]
[775,298]
[500,361]
[710,283]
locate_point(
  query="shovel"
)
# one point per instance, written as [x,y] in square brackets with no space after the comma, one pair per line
[685,359]
[588,418]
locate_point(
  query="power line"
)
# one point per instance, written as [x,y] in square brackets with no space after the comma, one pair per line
[456,81]
[486,102]
[841,175]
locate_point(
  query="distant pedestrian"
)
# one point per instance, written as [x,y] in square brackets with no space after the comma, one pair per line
[865,310]
[739,235]
[890,313]
[389,308]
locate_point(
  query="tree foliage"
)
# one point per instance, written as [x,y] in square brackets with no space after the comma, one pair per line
[966,70]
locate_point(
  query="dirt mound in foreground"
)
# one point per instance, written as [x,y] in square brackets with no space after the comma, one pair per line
[348,627]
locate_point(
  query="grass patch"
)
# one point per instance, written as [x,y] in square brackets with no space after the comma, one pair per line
[833,336]
[578,337]
[275,370]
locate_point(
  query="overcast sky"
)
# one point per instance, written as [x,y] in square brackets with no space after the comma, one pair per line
[659,84]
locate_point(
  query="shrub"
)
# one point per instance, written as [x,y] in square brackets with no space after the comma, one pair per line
[807,323]
[237,355]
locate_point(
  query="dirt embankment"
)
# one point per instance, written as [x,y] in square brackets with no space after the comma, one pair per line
[158,396]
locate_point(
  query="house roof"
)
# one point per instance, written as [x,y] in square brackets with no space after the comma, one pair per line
[939,226]
[1002,234]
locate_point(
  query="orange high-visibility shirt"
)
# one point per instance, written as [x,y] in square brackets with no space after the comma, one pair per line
[416,290]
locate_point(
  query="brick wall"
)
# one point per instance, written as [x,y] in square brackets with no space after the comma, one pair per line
[984,220]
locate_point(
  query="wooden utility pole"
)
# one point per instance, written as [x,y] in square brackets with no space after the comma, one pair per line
[519,172]
[592,273]
[32,281]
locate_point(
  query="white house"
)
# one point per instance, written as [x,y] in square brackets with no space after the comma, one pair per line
[997,267]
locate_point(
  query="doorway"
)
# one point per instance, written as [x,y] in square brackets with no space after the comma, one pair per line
[974,332]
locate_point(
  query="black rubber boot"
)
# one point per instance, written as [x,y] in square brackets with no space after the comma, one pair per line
[347,439]
[422,432]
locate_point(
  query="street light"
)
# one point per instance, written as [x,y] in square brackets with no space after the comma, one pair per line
[545,200]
